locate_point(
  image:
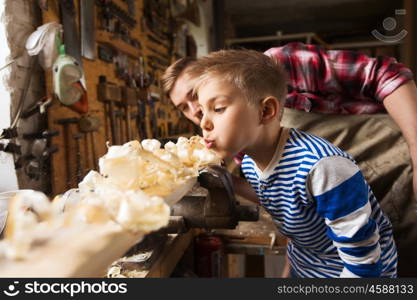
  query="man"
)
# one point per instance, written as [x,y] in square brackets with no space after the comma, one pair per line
[347,86]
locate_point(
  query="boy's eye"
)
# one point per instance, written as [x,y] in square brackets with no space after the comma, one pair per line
[219,109]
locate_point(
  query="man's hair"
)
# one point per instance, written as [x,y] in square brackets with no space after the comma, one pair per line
[172,73]
[253,73]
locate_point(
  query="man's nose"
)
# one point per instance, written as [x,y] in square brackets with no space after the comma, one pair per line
[196,110]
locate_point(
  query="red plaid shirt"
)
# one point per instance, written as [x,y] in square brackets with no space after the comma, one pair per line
[338,81]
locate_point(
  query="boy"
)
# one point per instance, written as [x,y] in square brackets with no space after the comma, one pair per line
[314,191]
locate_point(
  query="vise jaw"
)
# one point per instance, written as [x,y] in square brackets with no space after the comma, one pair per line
[212,205]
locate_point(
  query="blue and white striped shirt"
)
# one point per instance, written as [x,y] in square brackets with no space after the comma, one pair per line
[318,198]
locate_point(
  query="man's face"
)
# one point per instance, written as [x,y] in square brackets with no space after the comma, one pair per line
[230,124]
[181,96]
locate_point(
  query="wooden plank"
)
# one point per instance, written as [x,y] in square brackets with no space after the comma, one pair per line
[172,253]
[235,266]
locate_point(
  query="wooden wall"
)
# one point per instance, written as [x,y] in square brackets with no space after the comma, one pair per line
[169,123]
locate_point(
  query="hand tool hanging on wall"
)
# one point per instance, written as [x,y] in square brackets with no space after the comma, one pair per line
[38,145]
[134,130]
[106,52]
[119,125]
[129,99]
[144,80]
[131,7]
[141,119]
[77,137]
[40,135]
[110,12]
[156,18]
[122,65]
[88,36]
[32,169]
[89,125]
[116,21]
[109,94]
[36,161]
[71,40]
[157,41]
[39,106]
[154,122]
[162,62]
[66,123]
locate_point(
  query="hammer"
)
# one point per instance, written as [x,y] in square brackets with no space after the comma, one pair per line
[65,123]
[108,94]
[89,125]
[77,138]
[129,97]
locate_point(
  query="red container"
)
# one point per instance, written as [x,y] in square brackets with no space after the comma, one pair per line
[209,254]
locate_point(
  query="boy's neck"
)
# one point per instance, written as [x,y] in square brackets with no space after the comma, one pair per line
[266,147]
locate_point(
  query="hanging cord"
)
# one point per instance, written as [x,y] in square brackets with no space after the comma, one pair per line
[10,62]
[28,78]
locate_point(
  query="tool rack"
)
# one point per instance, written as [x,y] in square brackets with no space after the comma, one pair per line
[149,47]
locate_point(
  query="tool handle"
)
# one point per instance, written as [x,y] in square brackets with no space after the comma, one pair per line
[40,135]
[128,127]
[115,136]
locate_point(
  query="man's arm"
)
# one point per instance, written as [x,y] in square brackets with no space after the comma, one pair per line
[402,106]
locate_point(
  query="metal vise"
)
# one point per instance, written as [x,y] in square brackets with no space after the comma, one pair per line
[212,205]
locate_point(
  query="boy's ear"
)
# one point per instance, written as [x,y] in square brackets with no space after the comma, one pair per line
[270,109]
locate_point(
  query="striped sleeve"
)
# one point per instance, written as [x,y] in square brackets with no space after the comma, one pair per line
[341,195]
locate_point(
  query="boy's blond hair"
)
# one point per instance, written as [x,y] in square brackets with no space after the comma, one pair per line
[174,71]
[253,73]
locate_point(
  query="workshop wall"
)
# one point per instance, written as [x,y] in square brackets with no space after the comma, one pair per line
[131,51]
[134,43]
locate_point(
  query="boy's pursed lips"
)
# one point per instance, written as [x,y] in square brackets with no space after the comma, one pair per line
[209,143]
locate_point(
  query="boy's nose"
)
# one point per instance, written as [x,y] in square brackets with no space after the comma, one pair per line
[206,124]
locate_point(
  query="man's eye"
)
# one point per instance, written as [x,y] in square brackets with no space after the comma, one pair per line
[219,109]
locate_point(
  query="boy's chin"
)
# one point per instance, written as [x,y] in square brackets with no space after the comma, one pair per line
[224,155]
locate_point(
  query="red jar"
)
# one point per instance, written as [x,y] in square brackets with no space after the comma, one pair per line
[209,254]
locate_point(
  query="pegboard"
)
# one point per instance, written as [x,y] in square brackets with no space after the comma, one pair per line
[155,117]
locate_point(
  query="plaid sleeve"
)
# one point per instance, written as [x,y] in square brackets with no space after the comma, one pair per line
[318,73]
[362,76]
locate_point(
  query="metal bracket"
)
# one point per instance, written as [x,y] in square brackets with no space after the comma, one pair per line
[9,133]
[11,148]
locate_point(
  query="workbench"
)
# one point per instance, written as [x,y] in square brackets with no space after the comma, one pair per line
[155,257]
[158,255]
